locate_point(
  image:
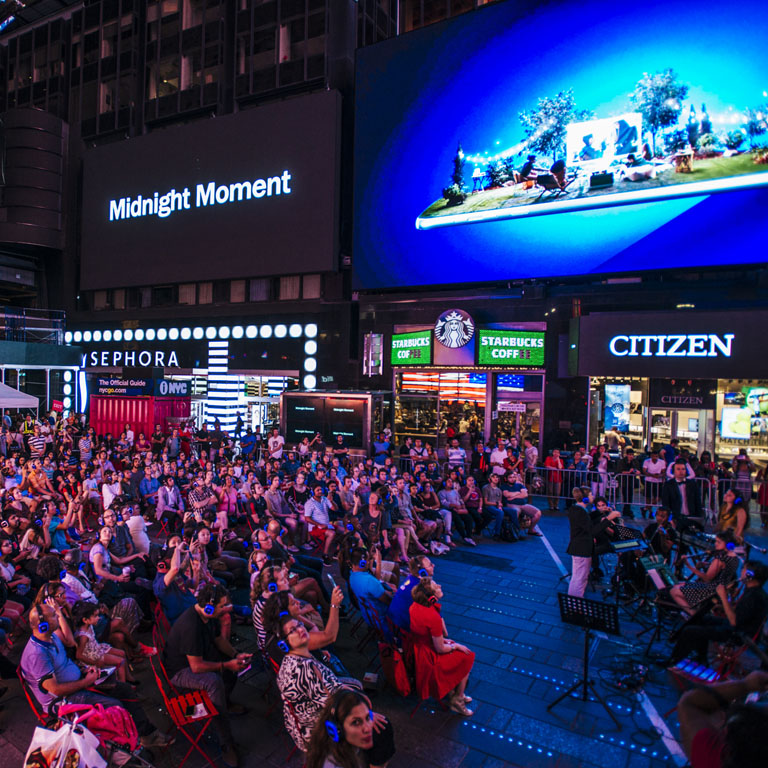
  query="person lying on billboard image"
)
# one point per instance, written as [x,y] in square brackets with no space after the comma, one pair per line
[561,157]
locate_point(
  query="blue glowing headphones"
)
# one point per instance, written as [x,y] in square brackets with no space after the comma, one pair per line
[281,644]
[257,544]
[62,573]
[272,586]
[750,573]
[43,627]
[730,546]
[350,527]
[363,563]
[333,731]
[423,573]
[209,609]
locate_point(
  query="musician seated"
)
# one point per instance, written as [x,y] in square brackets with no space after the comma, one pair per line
[721,570]
[604,535]
[662,534]
[745,615]
[733,514]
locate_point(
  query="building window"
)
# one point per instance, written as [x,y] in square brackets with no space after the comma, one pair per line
[187,293]
[290,287]
[205,293]
[237,291]
[311,286]
[100,300]
[146,297]
[259,289]
[118,298]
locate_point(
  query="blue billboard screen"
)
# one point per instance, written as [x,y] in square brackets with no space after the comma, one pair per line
[518,141]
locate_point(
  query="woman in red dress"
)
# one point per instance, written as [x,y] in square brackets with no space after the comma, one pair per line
[442,665]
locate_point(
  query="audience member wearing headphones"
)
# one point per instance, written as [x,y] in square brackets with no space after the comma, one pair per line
[420,567]
[281,603]
[305,684]
[308,584]
[51,674]
[733,515]
[120,617]
[721,570]
[366,584]
[442,665]
[745,616]
[271,579]
[177,578]
[719,730]
[344,735]
[199,657]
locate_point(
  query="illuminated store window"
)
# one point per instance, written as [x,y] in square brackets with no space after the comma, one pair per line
[237,291]
[259,289]
[100,300]
[311,286]
[205,293]
[290,287]
[187,293]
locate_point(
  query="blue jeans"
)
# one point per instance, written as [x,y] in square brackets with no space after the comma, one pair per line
[498,518]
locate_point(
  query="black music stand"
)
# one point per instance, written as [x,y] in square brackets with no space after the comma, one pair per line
[589,615]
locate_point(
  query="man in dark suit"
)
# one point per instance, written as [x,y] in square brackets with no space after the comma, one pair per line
[582,541]
[681,496]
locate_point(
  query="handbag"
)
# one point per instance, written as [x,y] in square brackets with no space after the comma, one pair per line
[67,746]
[393,665]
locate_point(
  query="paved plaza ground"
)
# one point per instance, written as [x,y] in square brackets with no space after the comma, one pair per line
[500,599]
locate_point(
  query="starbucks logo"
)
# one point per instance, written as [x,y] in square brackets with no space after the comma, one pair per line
[454,328]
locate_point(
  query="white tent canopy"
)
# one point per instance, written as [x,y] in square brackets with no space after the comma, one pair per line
[12,398]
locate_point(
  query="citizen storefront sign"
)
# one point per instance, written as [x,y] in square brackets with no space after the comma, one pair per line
[672,345]
[682,344]
[696,394]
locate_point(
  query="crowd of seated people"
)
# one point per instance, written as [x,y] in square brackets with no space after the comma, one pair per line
[99,534]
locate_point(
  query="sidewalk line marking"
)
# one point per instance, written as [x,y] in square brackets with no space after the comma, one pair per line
[553,554]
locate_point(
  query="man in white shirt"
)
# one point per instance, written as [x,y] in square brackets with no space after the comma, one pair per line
[498,454]
[137,527]
[457,456]
[653,472]
[275,445]
[317,514]
[111,489]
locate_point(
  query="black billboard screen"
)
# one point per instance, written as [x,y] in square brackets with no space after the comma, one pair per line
[258,187]
[345,417]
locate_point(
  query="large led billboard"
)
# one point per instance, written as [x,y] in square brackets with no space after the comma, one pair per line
[563,138]
[245,195]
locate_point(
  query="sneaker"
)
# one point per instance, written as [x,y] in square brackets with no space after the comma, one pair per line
[469,541]
[147,650]
[467,699]
[531,532]
[157,739]
[308,547]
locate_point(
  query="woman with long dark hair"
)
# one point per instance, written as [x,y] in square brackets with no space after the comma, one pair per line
[343,735]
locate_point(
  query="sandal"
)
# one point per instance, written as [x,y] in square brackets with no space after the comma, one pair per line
[456,704]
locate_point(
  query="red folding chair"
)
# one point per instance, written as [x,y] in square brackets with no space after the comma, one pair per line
[34,704]
[177,707]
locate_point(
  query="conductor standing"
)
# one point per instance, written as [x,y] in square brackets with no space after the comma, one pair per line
[582,541]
